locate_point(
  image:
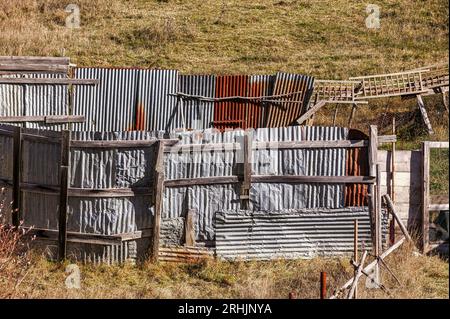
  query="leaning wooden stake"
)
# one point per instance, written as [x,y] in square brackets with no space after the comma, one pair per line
[370,266]
[189,229]
[358,274]
[423,111]
[402,226]
[17,166]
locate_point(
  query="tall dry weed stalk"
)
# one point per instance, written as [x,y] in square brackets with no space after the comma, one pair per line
[14,246]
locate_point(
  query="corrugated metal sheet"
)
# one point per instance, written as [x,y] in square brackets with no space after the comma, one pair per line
[290,234]
[260,85]
[230,115]
[33,100]
[263,196]
[291,106]
[110,105]
[197,114]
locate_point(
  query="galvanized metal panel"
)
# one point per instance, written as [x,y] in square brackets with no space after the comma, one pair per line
[156,95]
[197,114]
[110,105]
[291,234]
[12,101]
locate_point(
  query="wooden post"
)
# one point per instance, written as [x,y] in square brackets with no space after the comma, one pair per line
[246,184]
[373,154]
[17,168]
[444,90]
[378,213]
[292,295]
[63,195]
[335,114]
[393,163]
[355,250]
[189,230]
[423,111]
[158,195]
[425,195]
[323,285]
[352,114]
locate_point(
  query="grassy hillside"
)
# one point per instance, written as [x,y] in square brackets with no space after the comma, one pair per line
[326,38]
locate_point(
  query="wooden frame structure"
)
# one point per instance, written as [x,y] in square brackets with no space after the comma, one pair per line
[426,202]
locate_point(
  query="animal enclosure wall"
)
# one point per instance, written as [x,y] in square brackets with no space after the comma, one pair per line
[111,190]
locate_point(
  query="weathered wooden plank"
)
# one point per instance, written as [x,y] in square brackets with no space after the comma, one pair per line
[17,170]
[159,190]
[434,144]
[34,60]
[391,207]
[50,119]
[387,139]
[424,113]
[311,111]
[63,195]
[189,229]
[111,192]
[310,144]
[121,143]
[271,179]
[425,195]
[49,81]
[37,68]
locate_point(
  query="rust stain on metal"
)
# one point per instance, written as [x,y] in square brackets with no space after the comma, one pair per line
[140,117]
[227,114]
[186,254]
[356,165]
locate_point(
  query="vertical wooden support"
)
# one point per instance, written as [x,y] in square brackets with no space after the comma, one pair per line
[373,154]
[355,250]
[352,114]
[246,183]
[158,195]
[423,111]
[378,214]
[393,163]
[189,230]
[425,195]
[444,98]
[63,195]
[323,285]
[17,168]
[335,114]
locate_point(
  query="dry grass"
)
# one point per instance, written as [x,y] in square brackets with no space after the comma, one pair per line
[323,38]
[421,277]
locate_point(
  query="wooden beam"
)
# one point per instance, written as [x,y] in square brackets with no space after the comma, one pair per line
[310,144]
[63,195]
[34,60]
[49,81]
[352,114]
[121,143]
[247,171]
[182,182]
[311,111]
[402,226]
[159,191]
[17,172]
[36,68]
[433,144]
[49,119]
[425,195]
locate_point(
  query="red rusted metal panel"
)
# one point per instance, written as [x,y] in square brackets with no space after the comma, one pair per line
[227,114]
[260,85]
[356,165]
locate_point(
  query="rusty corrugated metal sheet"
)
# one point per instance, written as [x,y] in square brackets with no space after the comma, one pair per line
[230,115]
[291,106]
[356,164]
[260,85]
